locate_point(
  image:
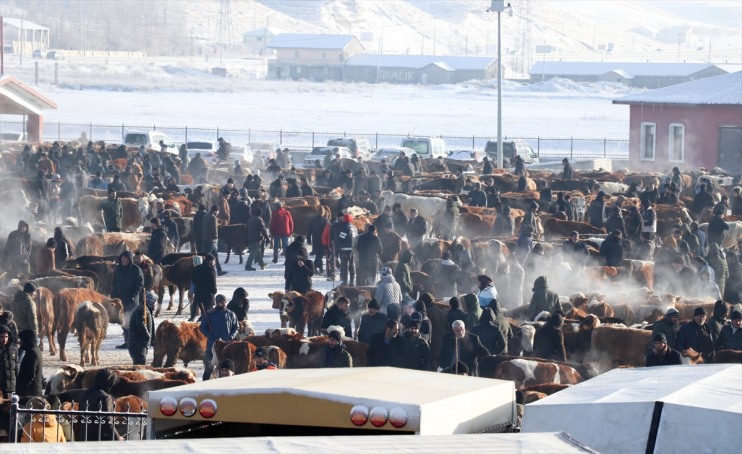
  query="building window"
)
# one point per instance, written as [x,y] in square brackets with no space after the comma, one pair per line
[296,54]
[677,143]
[647,141]
[340,57]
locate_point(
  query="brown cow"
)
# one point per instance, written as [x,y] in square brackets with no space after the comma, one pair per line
[303,353]
[45,315]
[303,215]
[91,321]
[279,299]
[112,243]
[65,308]
[130,404]
[305,311]
[56,284]
[182,341]
[555,228]
[240,352]
[89,207]
[476,225]
[178,275]
[613,346]
[533,371]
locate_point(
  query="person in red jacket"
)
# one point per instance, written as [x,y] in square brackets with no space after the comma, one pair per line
[281,228]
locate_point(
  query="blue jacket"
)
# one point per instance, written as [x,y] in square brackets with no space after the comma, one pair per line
[221,324]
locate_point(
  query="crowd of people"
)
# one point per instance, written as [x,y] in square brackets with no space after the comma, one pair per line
[402,326]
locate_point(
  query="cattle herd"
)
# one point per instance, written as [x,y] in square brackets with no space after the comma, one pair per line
[619,249]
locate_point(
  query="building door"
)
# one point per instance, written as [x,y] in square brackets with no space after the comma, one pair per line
[278,72]
[730,149]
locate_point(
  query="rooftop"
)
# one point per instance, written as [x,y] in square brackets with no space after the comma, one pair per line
[310,41]
[580,68]
[719,90]
[421,61]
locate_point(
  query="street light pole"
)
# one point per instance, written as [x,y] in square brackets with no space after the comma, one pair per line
[499,6]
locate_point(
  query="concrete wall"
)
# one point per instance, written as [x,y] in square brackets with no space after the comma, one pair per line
[701,134]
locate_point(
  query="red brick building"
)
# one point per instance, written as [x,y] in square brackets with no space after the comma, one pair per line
[690,125]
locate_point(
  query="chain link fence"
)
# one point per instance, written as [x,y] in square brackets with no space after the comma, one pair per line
[303,141]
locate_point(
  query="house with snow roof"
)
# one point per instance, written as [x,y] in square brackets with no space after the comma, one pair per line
[317,57]
[690,125]
[644,75]
[256,41]
[418,69]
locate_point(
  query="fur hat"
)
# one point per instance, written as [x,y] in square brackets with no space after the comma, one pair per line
[29,287]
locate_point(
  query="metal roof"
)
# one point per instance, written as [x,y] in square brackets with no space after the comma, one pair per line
[310,41]
[26,24]
[17,98]
[263,31]
[578,68]
[421,61]
[718,90]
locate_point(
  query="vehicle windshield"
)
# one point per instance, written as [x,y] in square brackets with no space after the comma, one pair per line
[509,148]
[199,145]
[136,139]
[420,147]
[322,150]
[10,136]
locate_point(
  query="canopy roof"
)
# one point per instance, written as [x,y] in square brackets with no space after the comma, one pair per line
[17,98]
[614,411]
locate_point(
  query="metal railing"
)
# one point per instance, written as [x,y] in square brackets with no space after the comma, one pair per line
[303,141]
[27,424]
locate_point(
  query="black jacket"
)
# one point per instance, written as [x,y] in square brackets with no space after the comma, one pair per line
[491,337]
[471,351]
[417,227]
[204,282]
[8,367]
[97,398]
[157,245]
[670,358]
[196,226]
[611,251]
[548,343]
[333,317]
[141,331]
[415,353]
[299,278]
[314,235]
[30,373]
[256,231]
[238,306]
[369,250]
[381,353]
[128,282]
[370,326]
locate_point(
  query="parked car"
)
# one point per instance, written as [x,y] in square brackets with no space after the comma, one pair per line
[512,148]
[9,137]
[242,153]
[36,53]
[391,154]
[266,151]
[426,147]
[319,153]
[466,156]
[206,148]
[359,146]
[150,139]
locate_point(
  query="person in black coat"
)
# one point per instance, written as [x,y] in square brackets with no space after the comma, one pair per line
[157,242]
[196,226]
[297,249]
[384,348]
[369,250]
[489,333]
[30,373]
[142,329]
[372,322]
[662,354]
[240,304]
[454,312]
[314,237]
[548,343]
[299,275]
[702,200]
[337,315]
[98,398]
[204,284]
[611,250]
[470,349]
[417,227]
[416,350]
[128,282]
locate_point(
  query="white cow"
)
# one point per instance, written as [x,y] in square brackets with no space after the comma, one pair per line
[427,207]
[731,236]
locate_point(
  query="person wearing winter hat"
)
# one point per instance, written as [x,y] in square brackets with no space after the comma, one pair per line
[30,372]
[218,323]
[668,326]
[262,362]
[226,368]
[337,315]
[372,322]
[487,291]
[543,299]
[548,342]
[730,337]
[142,329]
[568,173]
[239,304]
[595,210]
[718,319]
[128,282]
[662,354]
[8,362]
[696,335]
[24,308]
[415,353]
[333,354]
[388,291]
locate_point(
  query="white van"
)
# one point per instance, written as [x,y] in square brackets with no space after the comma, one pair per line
[150,139]
[426,147]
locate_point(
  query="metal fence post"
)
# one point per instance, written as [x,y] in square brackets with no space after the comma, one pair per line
[123,134]
[605,145]
[90,132]
[472,143]
[59,130]
[217,133]
[377,140]
[280,136]
[538,146]
[312,139]
[249,135]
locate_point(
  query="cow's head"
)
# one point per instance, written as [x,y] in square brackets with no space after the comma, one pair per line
[115,309]
[276,297]
[62,379]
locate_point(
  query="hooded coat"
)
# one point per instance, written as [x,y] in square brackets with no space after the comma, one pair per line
[113,214]
[97,398]
[548,342]
[489,333]
[128,282]
[17,247]
[543,299]
[24,312]
[237,305]
[388,292]
[30,371]
[473,309]
[426,327]
[717,319]
[415,353]
[439,324]
[142,326]
[8,364]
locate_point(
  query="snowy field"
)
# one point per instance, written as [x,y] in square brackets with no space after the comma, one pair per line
[262,316]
